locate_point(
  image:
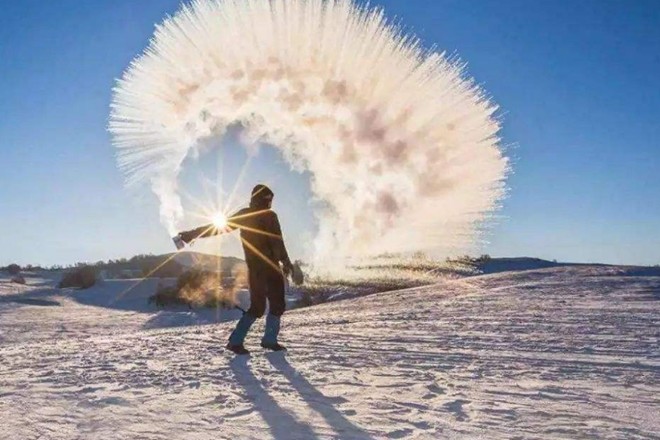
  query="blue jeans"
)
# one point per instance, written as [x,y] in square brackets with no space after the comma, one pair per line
[245,323]
[272,330]
[242,328]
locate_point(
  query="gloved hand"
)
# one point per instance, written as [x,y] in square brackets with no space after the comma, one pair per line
[287,268]
[187,236]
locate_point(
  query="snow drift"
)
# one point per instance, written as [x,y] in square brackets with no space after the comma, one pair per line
[559,353]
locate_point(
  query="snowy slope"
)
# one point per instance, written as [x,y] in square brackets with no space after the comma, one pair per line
[556,353]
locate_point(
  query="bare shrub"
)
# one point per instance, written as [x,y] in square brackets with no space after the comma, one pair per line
[82,277]
[168,296]
[14,269]
[202,289]
[18,279]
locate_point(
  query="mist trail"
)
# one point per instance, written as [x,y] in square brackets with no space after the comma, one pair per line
[402,147]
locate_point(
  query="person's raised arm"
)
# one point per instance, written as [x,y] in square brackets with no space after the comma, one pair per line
[236,220]
[202,232]
[212,230]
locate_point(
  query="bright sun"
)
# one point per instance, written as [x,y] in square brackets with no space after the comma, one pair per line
[220,220]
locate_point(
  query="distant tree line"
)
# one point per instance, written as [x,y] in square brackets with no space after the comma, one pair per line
[139,266]
[143,265]
[15,269]
[470,261]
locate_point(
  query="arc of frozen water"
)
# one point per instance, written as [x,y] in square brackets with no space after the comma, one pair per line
[401,146]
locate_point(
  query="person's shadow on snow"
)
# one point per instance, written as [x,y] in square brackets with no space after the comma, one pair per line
[281,423]
[316,400]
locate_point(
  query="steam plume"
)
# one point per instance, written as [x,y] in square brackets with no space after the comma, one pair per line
[401,146]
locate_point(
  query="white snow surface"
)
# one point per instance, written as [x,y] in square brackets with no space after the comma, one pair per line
[566,353]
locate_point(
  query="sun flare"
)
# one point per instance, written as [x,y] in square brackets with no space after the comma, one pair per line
[220,220]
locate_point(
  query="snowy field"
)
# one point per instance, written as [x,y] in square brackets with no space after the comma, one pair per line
[564,353]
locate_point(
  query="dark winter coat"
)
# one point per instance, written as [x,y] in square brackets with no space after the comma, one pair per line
[261,234]
[264,249]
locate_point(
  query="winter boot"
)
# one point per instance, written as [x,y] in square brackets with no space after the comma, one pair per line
[237,349]
[240,332]
[273,347]
[269,340]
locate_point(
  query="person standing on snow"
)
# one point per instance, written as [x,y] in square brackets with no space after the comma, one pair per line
[264,249]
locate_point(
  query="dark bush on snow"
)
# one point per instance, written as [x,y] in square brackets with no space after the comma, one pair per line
[81,277]
[195,287]
[194,279]
[14,269]
[168,296]
[18,279]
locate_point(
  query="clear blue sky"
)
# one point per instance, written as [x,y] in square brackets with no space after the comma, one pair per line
[578,82]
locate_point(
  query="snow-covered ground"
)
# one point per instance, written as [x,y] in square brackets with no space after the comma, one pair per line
[569,352]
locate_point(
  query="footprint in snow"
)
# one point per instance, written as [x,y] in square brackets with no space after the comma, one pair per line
[400,433]
[434,390]
[456,407]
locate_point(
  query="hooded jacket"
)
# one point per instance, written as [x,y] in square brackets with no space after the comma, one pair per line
[261,233]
